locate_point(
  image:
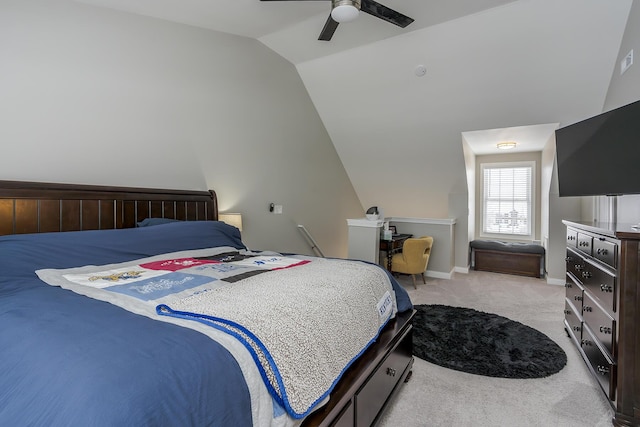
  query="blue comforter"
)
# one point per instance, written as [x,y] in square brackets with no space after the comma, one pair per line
[68,360]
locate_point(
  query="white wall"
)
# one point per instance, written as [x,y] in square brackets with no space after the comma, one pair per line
[554,210]
[466,234]
[624,89]
[442,258]
[95,96]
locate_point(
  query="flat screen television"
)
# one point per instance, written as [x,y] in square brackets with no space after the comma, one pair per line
[600,155]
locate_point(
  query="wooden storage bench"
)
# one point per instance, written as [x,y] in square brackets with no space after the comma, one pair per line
[525,259]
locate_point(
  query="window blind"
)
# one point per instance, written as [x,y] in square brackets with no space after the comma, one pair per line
[507,200]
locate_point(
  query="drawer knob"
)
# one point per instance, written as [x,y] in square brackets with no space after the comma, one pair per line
[603,370]
[577,298]
[605,329]
[568,285]
[391,372]
[606,288]
[577,328]
[568,259]
[587,308]
[602,251]
[578,267]
[586,275]
[567,312]
[586,342]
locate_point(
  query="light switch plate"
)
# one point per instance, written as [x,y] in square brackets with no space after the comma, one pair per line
[626,62]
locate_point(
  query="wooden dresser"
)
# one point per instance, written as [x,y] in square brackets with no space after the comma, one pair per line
[602,309]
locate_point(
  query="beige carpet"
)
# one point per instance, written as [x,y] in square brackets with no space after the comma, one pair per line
[437,396]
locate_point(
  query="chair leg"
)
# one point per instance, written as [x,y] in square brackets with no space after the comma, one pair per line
[413,276]
[423,279]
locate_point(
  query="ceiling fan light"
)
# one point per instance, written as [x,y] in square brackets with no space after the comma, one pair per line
[345,13]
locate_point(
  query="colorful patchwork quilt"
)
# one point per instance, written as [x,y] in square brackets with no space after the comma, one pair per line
[285,310]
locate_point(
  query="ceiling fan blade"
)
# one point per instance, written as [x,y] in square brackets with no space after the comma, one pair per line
[383,12]
[328,30]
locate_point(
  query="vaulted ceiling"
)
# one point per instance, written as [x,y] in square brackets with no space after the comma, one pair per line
[490,64]
[291,28]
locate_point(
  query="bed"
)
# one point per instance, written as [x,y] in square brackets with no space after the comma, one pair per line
[78,349]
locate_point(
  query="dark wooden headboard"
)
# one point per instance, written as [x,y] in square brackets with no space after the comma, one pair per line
[36,207]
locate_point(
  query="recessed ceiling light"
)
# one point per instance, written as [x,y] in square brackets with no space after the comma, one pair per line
[508,145]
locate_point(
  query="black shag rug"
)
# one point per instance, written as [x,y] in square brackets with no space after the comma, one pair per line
[481,343]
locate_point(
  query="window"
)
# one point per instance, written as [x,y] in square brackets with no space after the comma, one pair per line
[507,199]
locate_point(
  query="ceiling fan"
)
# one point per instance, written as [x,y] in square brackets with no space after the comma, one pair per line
[348,10]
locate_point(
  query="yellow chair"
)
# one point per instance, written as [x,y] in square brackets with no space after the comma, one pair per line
[414,257]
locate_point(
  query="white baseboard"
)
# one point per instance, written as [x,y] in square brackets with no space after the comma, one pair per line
[465,270]
[439,274]
[558,282]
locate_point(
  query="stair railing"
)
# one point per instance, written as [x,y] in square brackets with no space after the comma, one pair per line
[311,241]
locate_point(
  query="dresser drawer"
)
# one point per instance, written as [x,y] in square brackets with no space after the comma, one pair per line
[601,284]
[379,386]
[572,238]
[605,251]
[585,243]
[573,292]
[573,320]
[603,368]
[346,417]
[601,324]
[575,263]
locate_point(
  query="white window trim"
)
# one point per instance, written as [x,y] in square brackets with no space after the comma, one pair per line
[532,214]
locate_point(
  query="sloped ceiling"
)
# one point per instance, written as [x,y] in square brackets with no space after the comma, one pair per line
[526,63]
[291,28]
[490,65]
